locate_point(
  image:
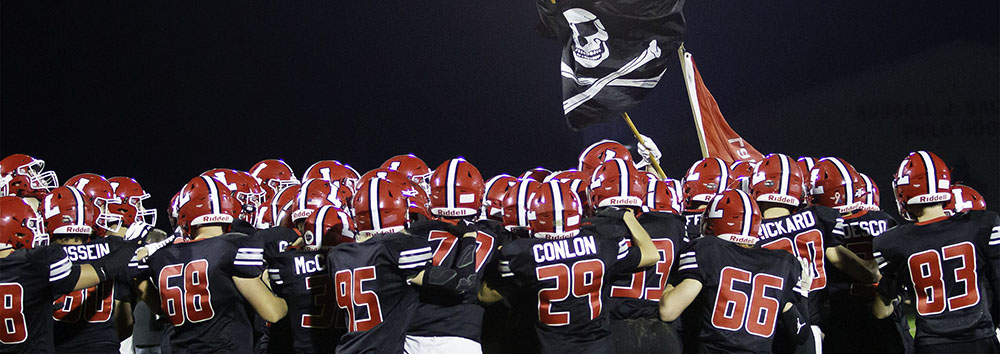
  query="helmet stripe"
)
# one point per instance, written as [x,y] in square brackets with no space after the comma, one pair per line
[786,173]
[747,213]
[558,206]
[623,178]
[213,194]
[450,184]
[522,200]
[373,204]
[318,228]
[587,151]
[723,176]
[80,206]
[869,187]
[300,199]
[932,178]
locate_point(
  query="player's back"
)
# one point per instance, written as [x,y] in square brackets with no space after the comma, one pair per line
[744,290]
[28,281]
[571,279]
[370,280]
[440,313]
[860,229]
[692,223]
[948,264]
[301,278]
[636,295]
[84,318]
[198,295]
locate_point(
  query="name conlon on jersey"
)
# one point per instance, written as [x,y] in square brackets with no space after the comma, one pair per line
[787,225]
[564,249]
[305,265]
[86,252]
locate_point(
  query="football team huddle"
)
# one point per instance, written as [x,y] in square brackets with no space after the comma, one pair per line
[780,255]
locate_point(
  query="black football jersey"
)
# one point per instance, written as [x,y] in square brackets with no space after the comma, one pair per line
[370,281]
[302,279]
[570,281]
[29,280]
[444,314]
[743,291]
[637,295]
[275,240]
[949,265]
[84,318]
[197,293]
[692,223]
[807,234]
[860,229]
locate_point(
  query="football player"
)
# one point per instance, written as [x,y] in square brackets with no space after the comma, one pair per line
[274,175]
[742,291]
[597,153]
[204,286]
[34,274]
[99,192]
[86,319]
[495,189]
[445,322]
[849,329]
[372,277]
[567,269]
[703,180]
[811,232]
[299,275]
[947,263]
[634,298]
[964,198]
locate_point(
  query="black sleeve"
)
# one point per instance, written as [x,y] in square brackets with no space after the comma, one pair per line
[795,321]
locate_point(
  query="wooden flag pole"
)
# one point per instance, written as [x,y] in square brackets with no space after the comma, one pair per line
[652,159]
[689,84]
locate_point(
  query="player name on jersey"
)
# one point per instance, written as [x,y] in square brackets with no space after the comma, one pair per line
[782,226]
[87,252]
[564,249]
[871,227]
[309,265]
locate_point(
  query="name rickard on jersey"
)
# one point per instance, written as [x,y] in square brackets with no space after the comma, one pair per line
[564,249]
[791,224]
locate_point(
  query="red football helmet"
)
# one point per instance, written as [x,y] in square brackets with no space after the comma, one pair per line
[496,188]
[412,167]
[741,168]
[660,197]
[315,193]
[175,205]
[456,189]
[678,187]
[965,198]
[617,183]
[537,173]
[131,195]
[278,211]
[328,227]
[704,179]
[778,179]
[597,153]
[25,176]
[275,174]
[922,178]
[68,212]
[333,171]
[806,164]
[416,195]
[871,201]
[733,216]
[244,188]
[206,200]
[577,180]
[836,184]
[20,226]
[99,191]
[554,211]
[384,173]
[515,203]
[380,207]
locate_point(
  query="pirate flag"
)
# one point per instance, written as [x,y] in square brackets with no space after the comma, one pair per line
[614,53]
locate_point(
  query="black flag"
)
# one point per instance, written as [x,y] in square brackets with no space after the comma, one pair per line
[614,52]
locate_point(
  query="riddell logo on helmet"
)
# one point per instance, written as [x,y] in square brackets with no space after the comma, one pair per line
[451,212]
[933,198]
[778,198]
[212,219]
[77,230]
[301,214]
[629,200]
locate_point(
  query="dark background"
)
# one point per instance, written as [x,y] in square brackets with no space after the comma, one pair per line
[163,91]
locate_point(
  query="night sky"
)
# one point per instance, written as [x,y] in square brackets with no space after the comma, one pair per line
[162,91]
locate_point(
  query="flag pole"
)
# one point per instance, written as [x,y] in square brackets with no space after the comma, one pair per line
[689,83]
[652,159]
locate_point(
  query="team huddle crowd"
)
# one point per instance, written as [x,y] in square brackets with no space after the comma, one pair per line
[781,255]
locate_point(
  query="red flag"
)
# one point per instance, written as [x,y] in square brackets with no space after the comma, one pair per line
[716,137]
